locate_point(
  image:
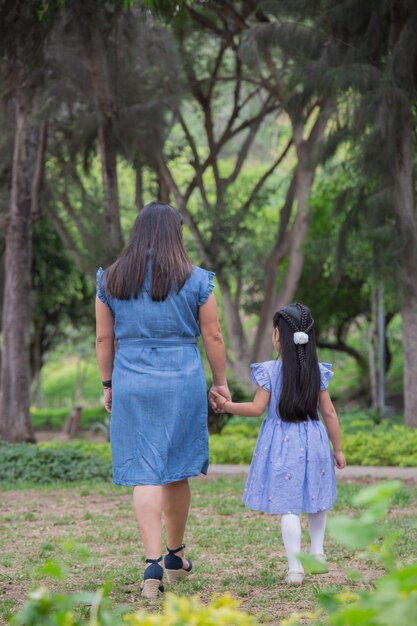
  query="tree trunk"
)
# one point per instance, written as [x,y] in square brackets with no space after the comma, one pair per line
[262,349]
[139,185]
[405,207]
[236,335]
[15,424]
[372,340]
[299,190]
[163,190]
[106,143]
[108,158]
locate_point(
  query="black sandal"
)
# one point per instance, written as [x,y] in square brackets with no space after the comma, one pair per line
[152,586]
[174,565]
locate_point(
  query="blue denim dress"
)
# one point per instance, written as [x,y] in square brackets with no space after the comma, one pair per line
[292,469]
[158,425]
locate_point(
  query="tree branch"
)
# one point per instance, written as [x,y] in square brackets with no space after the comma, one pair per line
[181,201]
[245,207]
[68,241]
[341,346]
[245,147]
[69,209]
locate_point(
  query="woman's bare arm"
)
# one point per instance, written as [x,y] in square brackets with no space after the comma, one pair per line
[104,339]
[214,345]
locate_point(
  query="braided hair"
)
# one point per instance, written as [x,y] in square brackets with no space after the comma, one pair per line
[300,370]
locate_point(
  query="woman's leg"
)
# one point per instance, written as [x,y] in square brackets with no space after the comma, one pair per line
[291,536]
[176,504]
[317,526]
[147,502]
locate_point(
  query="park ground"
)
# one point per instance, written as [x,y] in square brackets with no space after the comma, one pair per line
[91,529]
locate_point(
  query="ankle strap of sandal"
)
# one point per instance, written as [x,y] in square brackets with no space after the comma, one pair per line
[153,560]
[182,546]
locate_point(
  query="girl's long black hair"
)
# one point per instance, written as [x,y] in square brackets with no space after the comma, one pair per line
[300,370]
[157,237]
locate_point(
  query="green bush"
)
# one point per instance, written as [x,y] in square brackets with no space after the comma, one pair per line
[45,419]
[49,418]
[396,446]
[384,444]
[101,450]
[231,449]
[44,608]
[45,464]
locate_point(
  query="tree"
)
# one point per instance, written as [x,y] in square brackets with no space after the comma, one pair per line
[77,202]
[21,44]
[374,56]
[61,295]
[218,79]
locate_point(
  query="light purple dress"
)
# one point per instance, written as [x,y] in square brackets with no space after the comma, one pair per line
[292,469]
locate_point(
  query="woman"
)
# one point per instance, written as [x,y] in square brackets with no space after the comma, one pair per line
[155,304]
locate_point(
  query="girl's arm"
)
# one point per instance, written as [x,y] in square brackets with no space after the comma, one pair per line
[104,339]
[332,426]
[246,409]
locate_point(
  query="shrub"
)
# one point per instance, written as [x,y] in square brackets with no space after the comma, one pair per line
[58,609]
[396,446]
[47,464]
[231,449]
[49,418]
[55,418]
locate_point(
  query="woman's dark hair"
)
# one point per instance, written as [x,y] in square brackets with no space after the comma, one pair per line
[300,369]
[157,238]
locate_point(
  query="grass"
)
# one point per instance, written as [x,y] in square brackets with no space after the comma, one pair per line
[91,529]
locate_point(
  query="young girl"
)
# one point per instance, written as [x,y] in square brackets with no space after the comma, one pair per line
[292,469]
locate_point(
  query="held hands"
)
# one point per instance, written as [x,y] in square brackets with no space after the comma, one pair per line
[218,394]
[219,402]
[339,459]
[107,399]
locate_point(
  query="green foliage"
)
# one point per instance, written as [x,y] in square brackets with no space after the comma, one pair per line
[52,609]
[100,450]
[178,611]
[364,442]
[48,418]
[62,295]
[374,444]
[231,449]
[393,601]
[55,418]
[47,464]
[389,445]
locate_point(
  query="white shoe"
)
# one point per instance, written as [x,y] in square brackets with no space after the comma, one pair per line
[294,578]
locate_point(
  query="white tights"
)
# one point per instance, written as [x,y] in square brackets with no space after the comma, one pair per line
[291,536]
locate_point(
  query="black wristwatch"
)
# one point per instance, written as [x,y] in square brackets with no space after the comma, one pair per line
[106,384]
